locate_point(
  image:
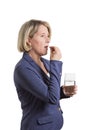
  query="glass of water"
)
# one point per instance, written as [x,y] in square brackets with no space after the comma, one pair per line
[69,83]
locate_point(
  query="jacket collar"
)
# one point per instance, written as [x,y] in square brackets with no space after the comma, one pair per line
[31,61]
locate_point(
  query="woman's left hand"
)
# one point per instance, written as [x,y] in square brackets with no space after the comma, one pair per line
[70,90]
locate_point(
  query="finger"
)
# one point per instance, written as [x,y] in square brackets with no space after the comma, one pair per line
[52,49]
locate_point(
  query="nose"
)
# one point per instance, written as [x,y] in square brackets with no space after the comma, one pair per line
[47,39]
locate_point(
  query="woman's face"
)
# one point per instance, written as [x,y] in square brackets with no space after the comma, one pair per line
[40,41]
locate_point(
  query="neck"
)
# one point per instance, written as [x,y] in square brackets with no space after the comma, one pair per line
[35,57]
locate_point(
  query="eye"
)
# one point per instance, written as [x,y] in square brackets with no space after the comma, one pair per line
[45,36]
[42,35]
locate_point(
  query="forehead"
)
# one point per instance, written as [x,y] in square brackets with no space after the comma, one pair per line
[42,29]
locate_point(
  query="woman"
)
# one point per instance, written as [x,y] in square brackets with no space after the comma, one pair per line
[37,79]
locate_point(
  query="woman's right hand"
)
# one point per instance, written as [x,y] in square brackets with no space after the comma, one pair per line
[55,53]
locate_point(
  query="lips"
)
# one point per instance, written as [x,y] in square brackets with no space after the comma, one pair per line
[46,47]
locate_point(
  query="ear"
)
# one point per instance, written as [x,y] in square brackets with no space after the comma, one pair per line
[28,41]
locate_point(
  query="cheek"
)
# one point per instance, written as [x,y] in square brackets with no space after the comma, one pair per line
[37,47]
[38,44]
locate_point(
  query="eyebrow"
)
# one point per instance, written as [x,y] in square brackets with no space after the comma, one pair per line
[44,33]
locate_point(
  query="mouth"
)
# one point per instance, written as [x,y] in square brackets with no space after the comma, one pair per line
[46,47]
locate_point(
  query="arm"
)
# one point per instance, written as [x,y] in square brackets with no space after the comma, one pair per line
[29,80]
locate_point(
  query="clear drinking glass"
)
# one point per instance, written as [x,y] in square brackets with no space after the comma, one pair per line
[69,82]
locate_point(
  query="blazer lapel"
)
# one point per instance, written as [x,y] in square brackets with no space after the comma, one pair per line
[36,68]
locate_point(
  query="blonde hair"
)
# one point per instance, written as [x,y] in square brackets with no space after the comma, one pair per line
[28,29]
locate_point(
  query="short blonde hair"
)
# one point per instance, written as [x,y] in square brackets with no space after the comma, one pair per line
[28,29]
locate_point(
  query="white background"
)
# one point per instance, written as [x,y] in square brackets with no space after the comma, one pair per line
[68,20]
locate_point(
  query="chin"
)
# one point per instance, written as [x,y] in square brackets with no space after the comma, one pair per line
[44,53]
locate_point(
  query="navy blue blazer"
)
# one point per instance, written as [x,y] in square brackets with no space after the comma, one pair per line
[39,94]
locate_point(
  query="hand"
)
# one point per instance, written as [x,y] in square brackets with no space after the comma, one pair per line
[55,53]
[70,90]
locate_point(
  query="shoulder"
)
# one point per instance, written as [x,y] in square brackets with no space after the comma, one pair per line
[24,61]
